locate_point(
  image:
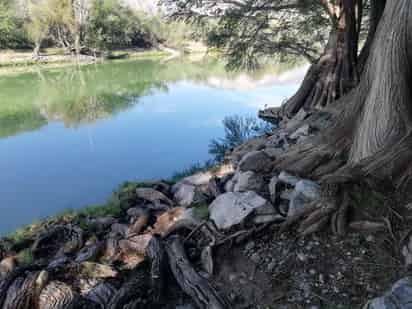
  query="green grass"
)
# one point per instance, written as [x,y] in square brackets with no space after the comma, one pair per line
[25,257]
[201,211]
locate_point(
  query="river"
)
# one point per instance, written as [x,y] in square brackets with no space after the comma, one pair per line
[70,136]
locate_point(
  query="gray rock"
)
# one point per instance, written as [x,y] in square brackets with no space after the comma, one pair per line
[305,192]
[231,209]
[199,179]
[119,229]
[308,188]
[256,161]
[249,181]
[399,297]
[288,178]
[135,212]
[302,131]
[153,196]
[230,185]
[297,203]
[273,152]
[185,195]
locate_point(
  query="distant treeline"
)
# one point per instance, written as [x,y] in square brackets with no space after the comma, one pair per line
[84,26]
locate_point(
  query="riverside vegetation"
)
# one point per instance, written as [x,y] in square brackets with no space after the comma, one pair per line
[50,31]
[314,213]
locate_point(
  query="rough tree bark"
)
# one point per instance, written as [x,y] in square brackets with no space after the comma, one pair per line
[335,72]
[371,141]
[375,14]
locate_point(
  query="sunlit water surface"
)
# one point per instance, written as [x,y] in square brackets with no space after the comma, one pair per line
[69,137]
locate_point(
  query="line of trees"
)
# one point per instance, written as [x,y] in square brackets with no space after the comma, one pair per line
[79,26]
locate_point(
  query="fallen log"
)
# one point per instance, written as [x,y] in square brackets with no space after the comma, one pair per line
[197,287]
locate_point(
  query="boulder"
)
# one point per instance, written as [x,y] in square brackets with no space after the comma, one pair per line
[305,192]
[197,179]
[175,218]
[136,212]
[308,188]
[256,161]
[399,297]
[153,196]
[288,178]
[240,151]
[233,208]
[187,195]
[248,181]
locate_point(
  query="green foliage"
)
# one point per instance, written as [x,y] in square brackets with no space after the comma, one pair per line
[25,257]
[112,25]
[12,34]
[96,211]
[189,171]
[237,130]
[248,31]
[201,211]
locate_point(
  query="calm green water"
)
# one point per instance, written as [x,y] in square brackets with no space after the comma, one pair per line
[68,137]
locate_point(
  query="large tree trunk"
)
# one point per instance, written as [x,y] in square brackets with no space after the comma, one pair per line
[335,72]
[371,140]
[376,10]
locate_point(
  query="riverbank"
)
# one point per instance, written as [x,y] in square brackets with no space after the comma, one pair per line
[16,62]
[192,237]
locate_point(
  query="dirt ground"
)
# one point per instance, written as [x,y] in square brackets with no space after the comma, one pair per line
[281,271]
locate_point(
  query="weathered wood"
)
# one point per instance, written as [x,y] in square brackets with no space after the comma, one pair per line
[156,253]
[90,253]
[24,291]
[101,294]
[197,287]
[8,280]
[131,290]
[58,295]
[59,240]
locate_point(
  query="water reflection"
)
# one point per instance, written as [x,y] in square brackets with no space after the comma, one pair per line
[86,94]
[68,137]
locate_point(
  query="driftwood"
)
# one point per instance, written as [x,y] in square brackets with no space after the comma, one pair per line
[197,287]
[8,280]
[156,253]
[24,291]
[58,241]
[90,253]
[58,295]
[131,291]
[101,294]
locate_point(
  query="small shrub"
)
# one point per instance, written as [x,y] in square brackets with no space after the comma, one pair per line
[238,130]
